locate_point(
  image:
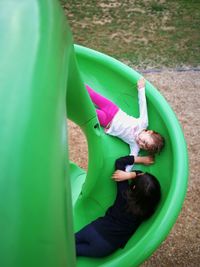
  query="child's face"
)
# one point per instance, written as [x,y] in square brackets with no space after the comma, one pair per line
[145,140]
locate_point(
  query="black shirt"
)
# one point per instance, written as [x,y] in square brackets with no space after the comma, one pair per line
[118,225]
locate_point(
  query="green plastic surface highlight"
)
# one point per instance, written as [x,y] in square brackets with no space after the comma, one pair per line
[41,80]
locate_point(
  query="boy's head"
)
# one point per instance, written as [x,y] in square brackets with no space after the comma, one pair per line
[151,141]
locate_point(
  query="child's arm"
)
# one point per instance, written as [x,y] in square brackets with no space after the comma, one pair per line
[122,162]
[121,175]
[142,103]
[120,166]
[146,160]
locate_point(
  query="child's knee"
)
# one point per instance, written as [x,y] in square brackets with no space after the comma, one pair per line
[102,117]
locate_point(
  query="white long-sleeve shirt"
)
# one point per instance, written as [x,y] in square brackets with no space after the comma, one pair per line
[128,128]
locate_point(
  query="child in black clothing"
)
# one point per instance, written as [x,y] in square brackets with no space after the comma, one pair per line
[134,203]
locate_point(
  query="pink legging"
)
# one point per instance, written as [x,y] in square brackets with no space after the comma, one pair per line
[106,109]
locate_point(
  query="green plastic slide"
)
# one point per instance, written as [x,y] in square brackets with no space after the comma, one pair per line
[44,198]
[118,82]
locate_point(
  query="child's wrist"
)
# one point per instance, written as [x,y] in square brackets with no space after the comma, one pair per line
[141,88]
[138,159]
[132,175]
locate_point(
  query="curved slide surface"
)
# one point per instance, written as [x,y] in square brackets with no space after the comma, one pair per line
[41,80]
[118,82]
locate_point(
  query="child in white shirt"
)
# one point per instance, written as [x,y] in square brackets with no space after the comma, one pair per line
[131,130]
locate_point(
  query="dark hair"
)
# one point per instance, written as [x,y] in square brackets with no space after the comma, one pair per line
[143,195]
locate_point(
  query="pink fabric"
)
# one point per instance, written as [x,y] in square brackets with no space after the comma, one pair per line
[106,109]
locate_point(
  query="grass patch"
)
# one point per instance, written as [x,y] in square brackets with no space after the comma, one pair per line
[142,33]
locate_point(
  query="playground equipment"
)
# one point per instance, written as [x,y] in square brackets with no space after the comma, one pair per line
[42,79]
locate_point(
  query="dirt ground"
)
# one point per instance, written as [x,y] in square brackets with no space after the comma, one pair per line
[182,246]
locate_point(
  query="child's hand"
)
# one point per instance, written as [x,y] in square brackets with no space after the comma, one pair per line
[141,83]
[122,175]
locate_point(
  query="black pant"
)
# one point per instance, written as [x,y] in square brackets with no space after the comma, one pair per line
[90,243]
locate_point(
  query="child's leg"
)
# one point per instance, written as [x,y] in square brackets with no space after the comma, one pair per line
[103,118]
[90,244]
[99,100]
[107,109]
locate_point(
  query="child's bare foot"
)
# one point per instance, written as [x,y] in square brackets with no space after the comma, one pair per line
[141,83]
